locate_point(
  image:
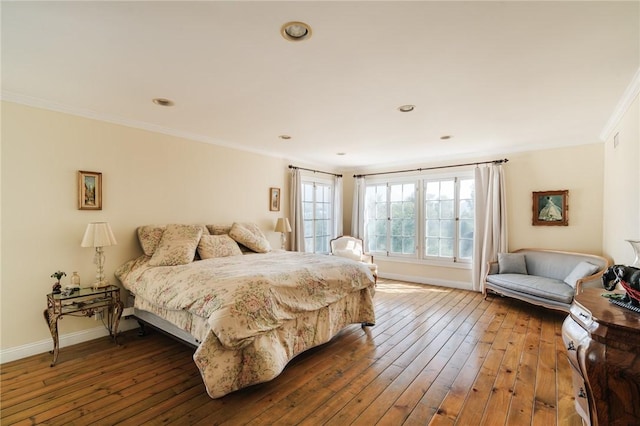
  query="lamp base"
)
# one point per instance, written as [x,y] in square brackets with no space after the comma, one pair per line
[100,284]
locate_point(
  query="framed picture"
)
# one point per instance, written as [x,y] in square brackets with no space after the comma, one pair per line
[550,208]
[89,190]
[274,199]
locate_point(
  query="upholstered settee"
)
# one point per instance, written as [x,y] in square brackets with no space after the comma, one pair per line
[547,278]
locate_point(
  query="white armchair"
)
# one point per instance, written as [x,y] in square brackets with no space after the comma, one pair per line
[353,248]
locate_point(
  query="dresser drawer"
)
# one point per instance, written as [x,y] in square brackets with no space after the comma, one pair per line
[580,395]
[573,336]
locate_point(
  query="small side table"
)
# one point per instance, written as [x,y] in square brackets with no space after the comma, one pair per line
[83,303]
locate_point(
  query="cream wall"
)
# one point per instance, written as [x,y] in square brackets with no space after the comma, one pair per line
[148,178]
[578,169]
[621,219]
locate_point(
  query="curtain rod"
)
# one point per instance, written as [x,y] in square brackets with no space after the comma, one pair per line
[434,168]
[314,171]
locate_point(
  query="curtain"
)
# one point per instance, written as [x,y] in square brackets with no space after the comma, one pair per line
[357,214]
[490,220]
[337,206]
[295,212]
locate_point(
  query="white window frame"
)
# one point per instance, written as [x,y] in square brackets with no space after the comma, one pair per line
[419,255]
[312,179]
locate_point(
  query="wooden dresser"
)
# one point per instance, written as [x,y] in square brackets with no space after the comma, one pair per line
[603,347]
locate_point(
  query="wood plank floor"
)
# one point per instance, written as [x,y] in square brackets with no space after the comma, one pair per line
[436,356]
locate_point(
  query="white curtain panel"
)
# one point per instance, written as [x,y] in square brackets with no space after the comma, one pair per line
[357,214]
[490,221]
[297,222]
[337,206]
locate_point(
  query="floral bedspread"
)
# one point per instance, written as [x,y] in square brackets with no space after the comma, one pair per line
[257,307]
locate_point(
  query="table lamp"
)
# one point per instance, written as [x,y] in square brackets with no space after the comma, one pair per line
[282,226]
[98,235]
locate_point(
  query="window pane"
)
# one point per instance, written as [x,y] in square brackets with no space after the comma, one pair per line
[467,189]
[447,189]
[447,209]
[447,228]
[433,209]
[446,247]
[433,228]
[466,249]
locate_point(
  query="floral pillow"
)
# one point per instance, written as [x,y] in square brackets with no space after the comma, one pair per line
[218,229]
[250,236]
[177,246]
[217,246]
[149,237]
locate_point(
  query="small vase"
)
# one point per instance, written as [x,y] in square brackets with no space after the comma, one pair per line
[635,244]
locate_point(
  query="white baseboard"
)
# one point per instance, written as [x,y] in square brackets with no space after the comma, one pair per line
[422,280]
[19,352]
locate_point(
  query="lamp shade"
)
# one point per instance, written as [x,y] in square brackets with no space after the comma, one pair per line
[282,225]
[98,234]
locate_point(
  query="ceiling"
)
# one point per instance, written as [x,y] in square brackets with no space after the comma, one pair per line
[498,77]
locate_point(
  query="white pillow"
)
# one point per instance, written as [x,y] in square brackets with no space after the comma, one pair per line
[581,270]
[350,254]
[512,263]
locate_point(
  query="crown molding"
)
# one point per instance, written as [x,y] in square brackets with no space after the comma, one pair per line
[93,115]
[625,102]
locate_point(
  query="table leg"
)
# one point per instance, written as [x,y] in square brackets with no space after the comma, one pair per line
[118,307]
[52,320]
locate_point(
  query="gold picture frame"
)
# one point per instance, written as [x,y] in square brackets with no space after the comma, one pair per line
[551,208]
[89,190]
[274,199]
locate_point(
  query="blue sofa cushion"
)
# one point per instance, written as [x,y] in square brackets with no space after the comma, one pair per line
[512,263]
[548,288]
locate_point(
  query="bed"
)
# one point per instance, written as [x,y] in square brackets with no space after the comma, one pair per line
[248,313]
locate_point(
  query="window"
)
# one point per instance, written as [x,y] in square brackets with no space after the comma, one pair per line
[429,219]
[317,212]
[391,220]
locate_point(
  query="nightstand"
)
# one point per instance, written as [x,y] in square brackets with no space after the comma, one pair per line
[83,303]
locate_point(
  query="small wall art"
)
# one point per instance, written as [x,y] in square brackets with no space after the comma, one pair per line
[274,199]
[89,190]
[550,208]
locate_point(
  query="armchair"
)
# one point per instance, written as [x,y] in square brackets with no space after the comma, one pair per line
[353,248]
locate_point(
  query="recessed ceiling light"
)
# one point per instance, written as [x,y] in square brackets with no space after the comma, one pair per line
[295,31]
[445,137]
[285,137]
[163,102]
[406,108]
[341,153]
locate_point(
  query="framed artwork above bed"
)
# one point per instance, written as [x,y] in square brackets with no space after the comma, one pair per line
[274,199]
[89,190]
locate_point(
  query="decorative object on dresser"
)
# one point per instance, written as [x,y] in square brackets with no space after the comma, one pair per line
[635,244]
[89,190]
[603,347]
[283,226]
[99,235]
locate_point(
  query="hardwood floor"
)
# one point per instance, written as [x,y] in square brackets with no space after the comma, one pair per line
[436,356]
